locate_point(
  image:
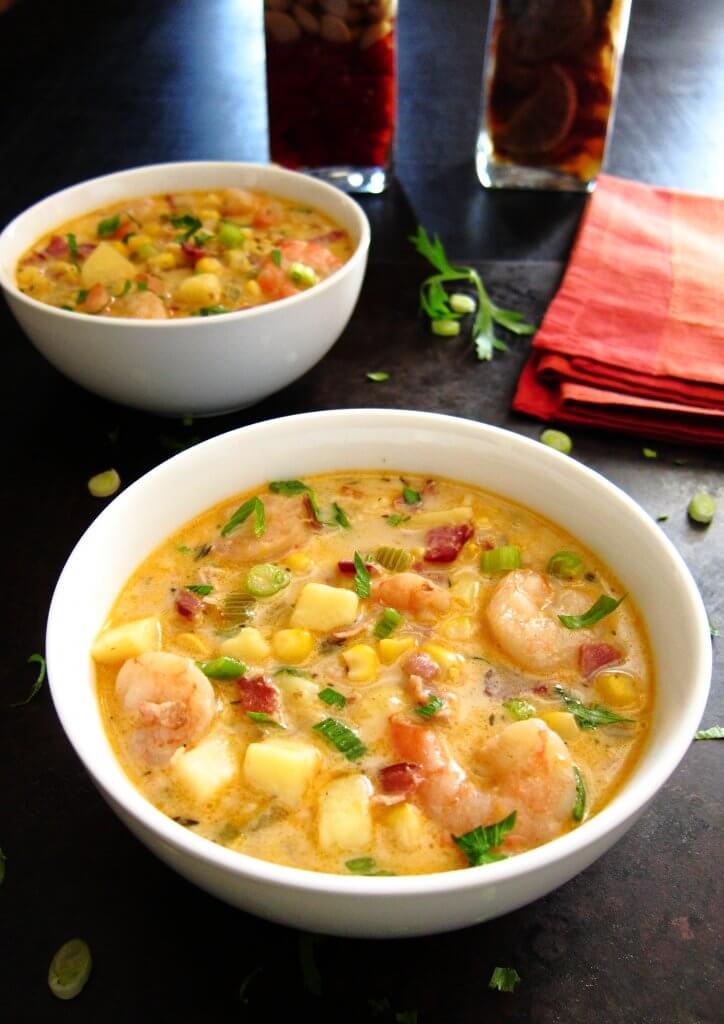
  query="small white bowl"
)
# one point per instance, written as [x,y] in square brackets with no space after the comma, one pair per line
[197,366]
[581,501]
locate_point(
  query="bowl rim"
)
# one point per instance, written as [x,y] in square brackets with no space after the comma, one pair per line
[608,823]
[325,189]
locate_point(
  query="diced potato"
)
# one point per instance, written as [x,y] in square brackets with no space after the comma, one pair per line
[405,823]
[127,640]
[616,688]
[372,715]
[292,646]
[362,664]
[345,820]
[193,644]
[106,265]
[460,627]
[465,592]
[442,517]
[444,657]
[281,768]
[298,688]
[393,648]
[247,645]
[323,608]
[298,562]
[199,290]
[208,767]
[564,723]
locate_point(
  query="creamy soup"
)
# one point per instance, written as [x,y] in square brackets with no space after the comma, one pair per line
[196,254]
[375,674]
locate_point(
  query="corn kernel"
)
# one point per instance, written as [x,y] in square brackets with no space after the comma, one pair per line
[193,644]
[564,723]
[209,265]
[362,664]
[136,242]
[616,688]
[152,229]
[292,646]
[445,658]
[405,822]
[238,261]
[298,562]
[247,645]
[120,246]
[209,214]
[164,261]
[33,280]
[392,649]
[253,289]
[460,627]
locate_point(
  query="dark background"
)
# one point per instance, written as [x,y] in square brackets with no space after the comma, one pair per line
[637,937]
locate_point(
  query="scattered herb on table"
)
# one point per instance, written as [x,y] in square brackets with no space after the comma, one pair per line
[557,439]
[308,964]
[589,716]
[175,444]
[714,732]
[377,376]
[244,987]
[701,508]
[406,1017]
[478,844]
[39,660]
[70,969]
[103,485]
[504,979]
[662,519]
[649,453]
[714,629]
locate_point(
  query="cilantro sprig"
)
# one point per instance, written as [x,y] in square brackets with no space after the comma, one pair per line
[589,716]
[478,844]
[435,299]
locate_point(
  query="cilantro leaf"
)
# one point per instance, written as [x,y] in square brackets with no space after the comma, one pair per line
[361,576]
[478,844]
[589,716]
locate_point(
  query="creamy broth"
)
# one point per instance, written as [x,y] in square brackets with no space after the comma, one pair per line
[456,694]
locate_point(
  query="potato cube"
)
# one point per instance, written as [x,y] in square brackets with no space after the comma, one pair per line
[247,645]
[281,768]
[107,266]
[405,823]
[199,290]
[298,688]
[207,768]
[127,640]
[616,688]
[292,646]
[345,821]
[362,664]
[323,608]
[564,723]
[442,517]
[393,648]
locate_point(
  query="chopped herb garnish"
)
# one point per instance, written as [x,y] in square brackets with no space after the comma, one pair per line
[388,621]
[589,716]
[288,487]
[478,844]
[81,296]
[411,496]
[431,708]
[661,519]
[557,439]
[128,284]
[262,718]
[141,286]
[396,519]
[289,670]
[519,708]
[714,732]
[701,508]
[361,576]
[435,301]
[266,580]
[310,972]
[202,589]
[343,739]
[109,226]
[365,866]
[202,237]
[255,505]
[340,516]
[714,630]
[176,444]
[332,697]
[213,310]
[244,987]
[223,668]
[189,224]
[378,376]
[73,246]
[276,256]
[649,453]
[291,488]
[39,660]
[184,549]
[406,1017]
[580,805]
[504,979]
[603,607]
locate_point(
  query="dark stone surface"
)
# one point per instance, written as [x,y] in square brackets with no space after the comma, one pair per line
[637,937]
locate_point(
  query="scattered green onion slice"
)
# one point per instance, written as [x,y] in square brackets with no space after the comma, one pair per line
[202,589]
[255,505]
[288,487]
[340,516]
[230,235]
[103,485]
[377,376]
[502,559]
[302,275]
[290,670]
[589,716]
[649,453]
[411,496]
[361,576]
[461,303]
[216,310]
[393,559]
[262,718]
[109,226]
[519,708]
[478,844]
[714,630]
[276,256]
[603,607]
[701,508]
[558,440]
[343,739]
[445,328]
[70,969]
[223,667]
[388,621]
[366,866]
[81,296]
[714,732]
[39,679]
[142,286]
[504,979]
[332,697]
[190,225]
[431,708]
[566,565]
[395,519]
[580,805]
[72,246]
[266,580]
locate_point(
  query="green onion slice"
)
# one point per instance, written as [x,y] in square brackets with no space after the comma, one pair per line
[580,805]
[395,519]
[223,668]
[39,660]
[603,607]
[714,732]
[289,670]
[332,697]
[411,496]
[389,621]
[255,505]
[558,440]
[589,716]
[262,718]
[377,376]
[203,589]
[276,256]
[519,708]
[502,559]
[361,576]
[566,565]
[288,487]
[431,708]
[393,559]
[343,739]
[504,979]
[266,580]
[701,508]
[366,866]
[478,844]
[109,226]
[70,969]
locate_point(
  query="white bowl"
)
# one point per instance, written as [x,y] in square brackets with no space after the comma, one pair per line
[197,366]
[581,501]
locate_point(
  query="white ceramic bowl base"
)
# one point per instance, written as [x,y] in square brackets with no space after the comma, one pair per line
[581,501]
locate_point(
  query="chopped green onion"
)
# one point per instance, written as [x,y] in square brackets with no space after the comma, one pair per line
[332,697]
[461,303]
[202,238]
[288,487]
[70,969]
[184,549]
[365,866]
[504,979]
[302,275]
[361,577]
[213,310]
[81,296]
[266,580]
[230,236]
[580,805]
[431,708]
[661,519]
[558,440]
[73,246]
[289,670]
[343,739]
[109,226]
[127,285]
[223,667]
[445,328]
[255,505]
[201,552]
[603,607]
[411,496]
[502,559]
[39,660]
[262,718]
[713,630]
[142,286]
[395,519]
[340,516]
[190,225]
[519,708]
[393,559]
[714,732]
[566,565]
[649,453]
[701,508]
[389,621]
[589,716]
[202,589]
[103,485]
[478,844]
[276,256]
[378,376]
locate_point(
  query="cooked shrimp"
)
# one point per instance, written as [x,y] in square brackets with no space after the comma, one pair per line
[171,699]
[145,305]
[410,592]
[523,615]
[526,768]
[287,527]
[312,254]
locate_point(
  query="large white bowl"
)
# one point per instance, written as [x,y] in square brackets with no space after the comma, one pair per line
[595,511]
[195,365]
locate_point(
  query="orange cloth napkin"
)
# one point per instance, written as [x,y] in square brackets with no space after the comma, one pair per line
[634,339]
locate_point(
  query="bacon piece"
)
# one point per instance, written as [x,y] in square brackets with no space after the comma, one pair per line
[57,247]
[193,252]
[421,665]
[444,543]
[85,249]
[258,693]
[591,657]
[331,236]
[187,604]
[540,690]
[401,779]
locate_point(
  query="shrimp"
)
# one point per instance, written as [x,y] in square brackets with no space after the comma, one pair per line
[287,526]
[526,768]
[145,305]
[410,592]
[171,700]
[523,616]
[312,254]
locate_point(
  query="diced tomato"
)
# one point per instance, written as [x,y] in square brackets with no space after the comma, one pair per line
[193,252]
[592,657]
[258,693]
[402,778]
[444,543]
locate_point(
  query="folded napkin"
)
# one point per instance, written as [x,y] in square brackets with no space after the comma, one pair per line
[634,339]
